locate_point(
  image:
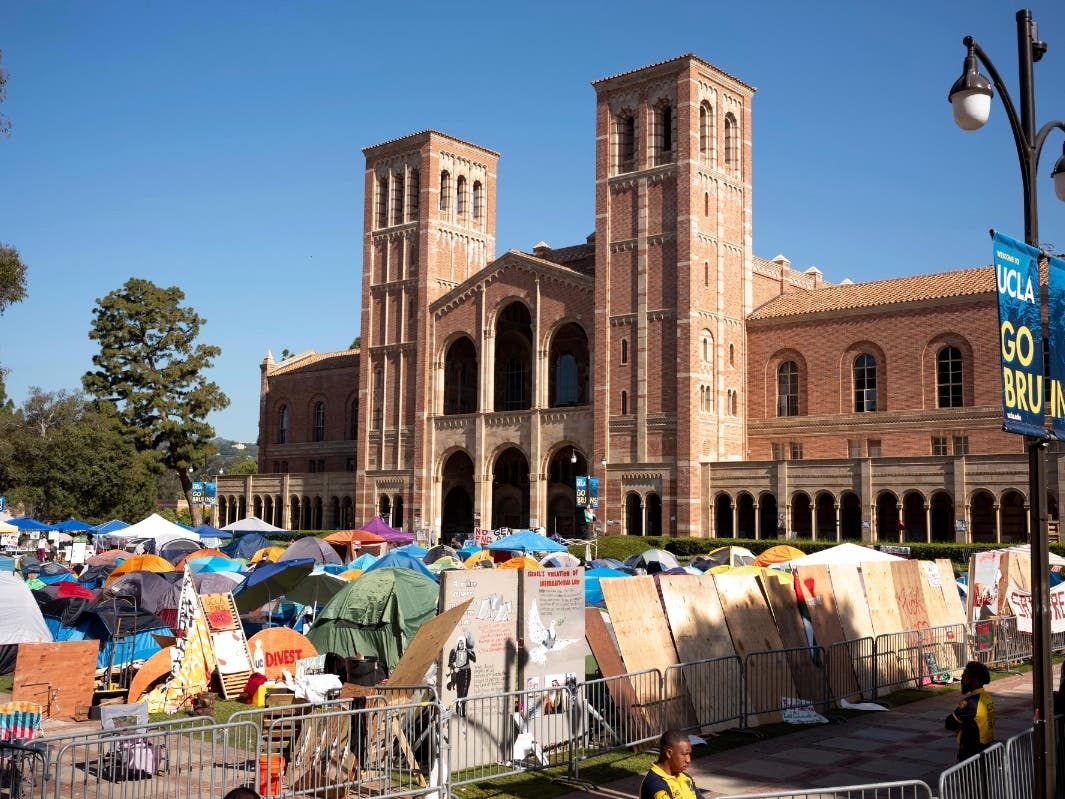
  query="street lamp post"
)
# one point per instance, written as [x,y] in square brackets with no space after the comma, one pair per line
[971,99]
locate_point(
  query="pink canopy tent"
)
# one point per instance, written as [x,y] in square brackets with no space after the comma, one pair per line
[379,527]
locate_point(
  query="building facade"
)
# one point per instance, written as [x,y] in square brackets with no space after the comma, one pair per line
[712,392]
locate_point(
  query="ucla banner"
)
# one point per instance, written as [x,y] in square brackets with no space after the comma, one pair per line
[1056,323]
[1020,336]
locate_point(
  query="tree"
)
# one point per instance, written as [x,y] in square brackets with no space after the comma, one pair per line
[356,344]
[12,277]
[151,369]
[62,456]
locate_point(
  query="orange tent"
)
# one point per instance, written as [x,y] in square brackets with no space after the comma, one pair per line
[523,562]
[778,554]
[476,558]
[356,541]
[350,574]
[200,553]
[267,553]
[140,563]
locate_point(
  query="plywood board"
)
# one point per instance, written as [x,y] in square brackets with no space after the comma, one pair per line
[154,669]
[950,591]
[426,646]
[279,648]
[880,594]
[848,589]
[932,592]
[641,630]
[752,630]
[815,582]
[909,595]
[806,663]
[622,692]
[944,642]
[700,633]
[58,677]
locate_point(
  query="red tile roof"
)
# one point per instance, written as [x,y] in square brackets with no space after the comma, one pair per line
[322,360]
[934,286]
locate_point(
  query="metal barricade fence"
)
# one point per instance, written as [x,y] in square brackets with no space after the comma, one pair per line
[997,642]
[851,670]
[160,762]
[1020,759]
[779,679]
[385,750]
[898,660]
[714,688]
[618,712]
[943,652]
[23,771]
[983,776]
[512,732]
[258,715]
[908,789]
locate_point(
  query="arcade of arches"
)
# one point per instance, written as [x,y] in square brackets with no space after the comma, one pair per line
[911,517]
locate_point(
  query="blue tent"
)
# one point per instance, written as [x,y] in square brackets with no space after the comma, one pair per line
[526,541]
[593,594]
[28,525]
[110,527]
[416,550]
[72,526]
[401,560]
[246,545]
[467,550]
[364,561]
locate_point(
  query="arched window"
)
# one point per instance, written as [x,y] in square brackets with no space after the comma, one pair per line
[948,378]
[378,398]
[624,403]
[354,419]
[731,354]
[282,425]
[788,389]
[445,189]
[319,421]
[707,340]
[624,351]
[566,389]
[732,135]
[706,128]
[414,189]
[478,199]
[864,383]
[735,406]
[625,136]
[663,131]
[460,196]
[382,202]
[398,196]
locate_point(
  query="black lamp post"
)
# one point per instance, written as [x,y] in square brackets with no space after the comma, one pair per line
[971,98]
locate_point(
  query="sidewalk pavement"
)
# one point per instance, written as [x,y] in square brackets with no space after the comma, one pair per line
[908,742]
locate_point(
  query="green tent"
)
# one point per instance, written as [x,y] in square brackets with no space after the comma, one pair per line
[376,615]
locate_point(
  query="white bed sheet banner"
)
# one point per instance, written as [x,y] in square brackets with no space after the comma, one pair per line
[1020,603]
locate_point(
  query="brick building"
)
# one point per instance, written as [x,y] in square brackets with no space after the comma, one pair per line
[713,392]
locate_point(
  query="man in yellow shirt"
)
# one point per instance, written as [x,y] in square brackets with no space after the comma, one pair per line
[974,718]
[666,779]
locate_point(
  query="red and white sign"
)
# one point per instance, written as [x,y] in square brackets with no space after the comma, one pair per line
[1020,603]
[482,536]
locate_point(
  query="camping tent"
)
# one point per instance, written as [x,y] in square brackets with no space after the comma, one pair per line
[401,560]
[155,528]
[842,553]
[377,615]
[252,524]
[244,546]
[526,541]
[310,547]
[20,620]
[357,541]
[378,526]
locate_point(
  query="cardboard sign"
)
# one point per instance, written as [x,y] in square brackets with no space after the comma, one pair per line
[279,648]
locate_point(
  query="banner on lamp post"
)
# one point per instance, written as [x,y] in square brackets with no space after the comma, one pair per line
[1056,323]
[1020,336]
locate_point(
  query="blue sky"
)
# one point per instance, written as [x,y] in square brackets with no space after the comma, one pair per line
[217,146]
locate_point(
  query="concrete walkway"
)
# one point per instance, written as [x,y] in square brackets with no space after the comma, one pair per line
[908,742]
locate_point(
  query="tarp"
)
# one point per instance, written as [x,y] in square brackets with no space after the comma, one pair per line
[842,553]
[245,546]
[526,541]
[376,615]
[380,527]
[311,547]
[252,524]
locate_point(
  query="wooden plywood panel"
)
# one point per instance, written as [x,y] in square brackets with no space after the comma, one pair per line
[425,648]
[642,633]
[944,643]
[880,594]
[909,594]
[807,667]
[953,599]
[848,589]
[932,591]
[622,692]
[700,633]
[753,630]
[815,582]
[58,677]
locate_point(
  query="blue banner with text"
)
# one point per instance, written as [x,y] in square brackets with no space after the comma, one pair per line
[1020,336]
[1056,323]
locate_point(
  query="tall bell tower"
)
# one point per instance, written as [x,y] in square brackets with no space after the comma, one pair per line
[673,287]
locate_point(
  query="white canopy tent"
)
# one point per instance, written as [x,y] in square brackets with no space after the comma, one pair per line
[842,553]
[252,524]
[156,528]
